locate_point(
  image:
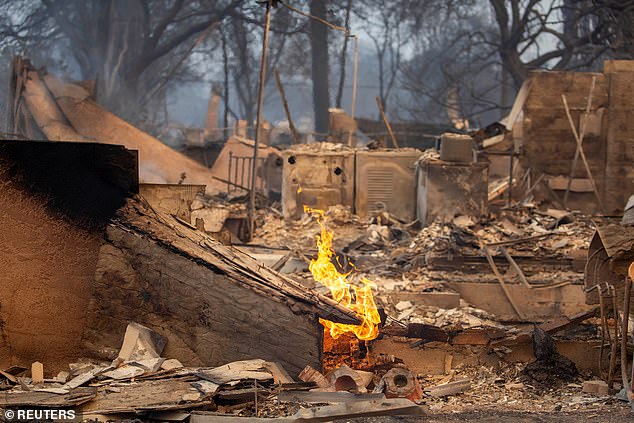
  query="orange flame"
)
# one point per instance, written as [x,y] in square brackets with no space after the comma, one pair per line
[362,302]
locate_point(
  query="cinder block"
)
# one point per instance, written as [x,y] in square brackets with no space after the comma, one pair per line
[598,387]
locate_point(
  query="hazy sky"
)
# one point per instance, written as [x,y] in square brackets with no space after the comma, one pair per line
[189,101]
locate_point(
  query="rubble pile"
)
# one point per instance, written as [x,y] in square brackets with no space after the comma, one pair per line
[454,318]
[524,232]
[528,230]
[140,382]
[492,388]
[274,231]
[321,147]
[403,260]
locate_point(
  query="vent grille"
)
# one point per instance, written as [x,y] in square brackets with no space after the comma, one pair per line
[380,187]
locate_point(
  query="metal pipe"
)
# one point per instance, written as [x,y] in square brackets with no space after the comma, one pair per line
[354,84]
[265,43]
[229,172]
[235,172]
[510,191]
[249,169]
[244,162]
[624,333]
[613,345]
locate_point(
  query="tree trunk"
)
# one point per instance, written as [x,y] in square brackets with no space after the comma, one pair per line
[225,68]
[342,62]
[320,68]
[381,57]
[119,89]
[505,94]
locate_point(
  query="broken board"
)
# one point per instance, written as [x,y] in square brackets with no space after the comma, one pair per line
[165,394]
[46,399]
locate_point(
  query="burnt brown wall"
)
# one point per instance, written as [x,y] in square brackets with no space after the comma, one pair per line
[548,144]
[619,169]
[48,265]
[55,199]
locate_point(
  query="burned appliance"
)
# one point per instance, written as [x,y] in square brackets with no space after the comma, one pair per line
[317,179]
[447,189]
[386,181]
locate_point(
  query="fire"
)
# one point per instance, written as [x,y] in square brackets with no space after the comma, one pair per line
[356,298]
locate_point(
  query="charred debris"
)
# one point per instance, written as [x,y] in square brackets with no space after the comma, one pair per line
[492,269]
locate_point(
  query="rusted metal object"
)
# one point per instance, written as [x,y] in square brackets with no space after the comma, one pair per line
[318,179]
[447,189]
[610,253]
[400,383]
[346,379]
[385,180]
[627,382]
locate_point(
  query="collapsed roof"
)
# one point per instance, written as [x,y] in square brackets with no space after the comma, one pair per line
[44,106]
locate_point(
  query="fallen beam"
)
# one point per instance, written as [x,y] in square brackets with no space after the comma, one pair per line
[551,327]
[45,111]
[451,388]
[387,407]
[316,397]
[46,399]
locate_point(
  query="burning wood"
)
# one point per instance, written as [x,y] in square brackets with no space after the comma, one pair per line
[325,272]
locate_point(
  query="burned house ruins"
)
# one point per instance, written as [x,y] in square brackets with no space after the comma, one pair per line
[184,237]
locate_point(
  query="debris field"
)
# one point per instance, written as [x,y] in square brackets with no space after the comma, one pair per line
[322,281]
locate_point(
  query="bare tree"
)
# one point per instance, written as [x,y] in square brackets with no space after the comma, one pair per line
[320,64]
[128,45]
[384,25]
[615,24]
[526,27]
[486,53]
[454,71]
[344,55]
[244,46]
